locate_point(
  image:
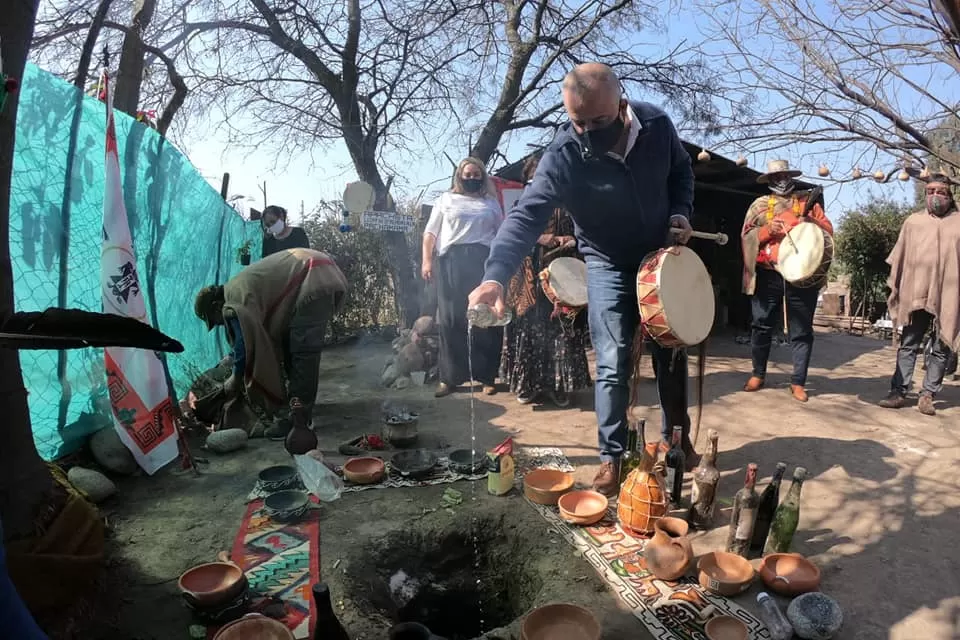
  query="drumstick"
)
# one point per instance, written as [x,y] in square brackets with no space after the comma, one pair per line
[719,238]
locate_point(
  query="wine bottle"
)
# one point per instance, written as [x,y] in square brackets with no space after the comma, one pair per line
[326,626]
[768,504]
[631,457]
[706,477]
[744,514]
[676,461]
[786,517]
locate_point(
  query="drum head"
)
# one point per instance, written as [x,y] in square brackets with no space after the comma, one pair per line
[686,293]
[358,197]
[802,257]
[568,278]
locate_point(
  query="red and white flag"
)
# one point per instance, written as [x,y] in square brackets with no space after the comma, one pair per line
[142,408]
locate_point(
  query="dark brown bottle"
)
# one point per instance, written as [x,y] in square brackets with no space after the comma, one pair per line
[631,457]
[676,462]
[744,515]
[769,500]
[301,437]
[327,626]
[706,477]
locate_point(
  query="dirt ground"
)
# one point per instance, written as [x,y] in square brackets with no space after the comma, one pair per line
[879,511]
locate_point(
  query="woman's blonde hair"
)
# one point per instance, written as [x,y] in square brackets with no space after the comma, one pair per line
[488,188]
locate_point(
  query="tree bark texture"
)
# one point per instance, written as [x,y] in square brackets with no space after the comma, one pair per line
[24,478]
[130,73]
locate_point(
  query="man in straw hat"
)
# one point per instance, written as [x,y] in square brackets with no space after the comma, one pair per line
[275,312]
[618,167]
[925,292]
[768,220]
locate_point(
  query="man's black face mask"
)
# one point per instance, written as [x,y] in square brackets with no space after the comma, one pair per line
[599,141]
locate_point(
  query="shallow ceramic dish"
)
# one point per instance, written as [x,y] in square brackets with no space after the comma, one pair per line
[726,628]
[212,584]
[254,627]
[466,461]
[277,478]
[725,573]
[583,507]
[414,464]
[364,470]
[560,622]
[789,574]
[545,486]
[287,506]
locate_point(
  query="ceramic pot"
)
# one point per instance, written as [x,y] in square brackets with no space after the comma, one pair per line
[643,496]
[669,552]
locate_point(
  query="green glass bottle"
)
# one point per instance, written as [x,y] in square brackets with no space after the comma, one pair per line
[787,517]
[633,454]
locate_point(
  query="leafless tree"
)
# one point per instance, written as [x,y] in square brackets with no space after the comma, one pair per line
[879,73]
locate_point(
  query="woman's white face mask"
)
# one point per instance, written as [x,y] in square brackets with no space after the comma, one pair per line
[275,228]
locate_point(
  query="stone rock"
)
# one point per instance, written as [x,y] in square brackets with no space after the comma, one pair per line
[408,360]
[815,616]
[425,326]
[388,376]
[110,452]
[400,343]
[227,440]
[96,486]
[403,382]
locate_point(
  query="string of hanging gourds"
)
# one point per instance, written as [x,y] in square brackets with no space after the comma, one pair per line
[824,171]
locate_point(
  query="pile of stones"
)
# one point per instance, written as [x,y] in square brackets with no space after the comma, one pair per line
[415,350]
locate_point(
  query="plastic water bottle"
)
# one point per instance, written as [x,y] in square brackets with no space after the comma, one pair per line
[483,316]
[777,623]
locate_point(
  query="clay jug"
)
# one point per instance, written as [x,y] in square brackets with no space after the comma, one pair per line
[301,438]
[643,496]
[669,552]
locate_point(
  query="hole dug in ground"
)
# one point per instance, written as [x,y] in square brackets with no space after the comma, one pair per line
[457,586]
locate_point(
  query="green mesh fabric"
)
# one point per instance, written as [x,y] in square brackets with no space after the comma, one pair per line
[185,237]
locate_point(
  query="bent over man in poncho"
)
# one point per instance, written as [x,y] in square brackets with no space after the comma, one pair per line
[275,313]
[925,292]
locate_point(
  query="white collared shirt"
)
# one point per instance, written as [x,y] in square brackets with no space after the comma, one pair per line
[634,125]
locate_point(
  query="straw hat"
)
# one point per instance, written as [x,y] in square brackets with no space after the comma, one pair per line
[778,166]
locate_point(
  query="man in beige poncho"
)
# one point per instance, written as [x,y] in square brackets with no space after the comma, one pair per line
[275,312]
[925,290]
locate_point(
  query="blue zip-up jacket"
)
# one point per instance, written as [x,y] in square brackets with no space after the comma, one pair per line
[621,210]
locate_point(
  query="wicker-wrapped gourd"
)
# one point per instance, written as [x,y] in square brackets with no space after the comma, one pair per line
[643,496]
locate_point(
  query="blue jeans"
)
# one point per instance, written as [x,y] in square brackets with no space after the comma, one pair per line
[767,306]
[614,318]
[15,620]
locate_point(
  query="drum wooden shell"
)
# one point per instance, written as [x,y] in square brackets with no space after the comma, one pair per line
[810,255]
[662,320]
[642,501]
[564,282]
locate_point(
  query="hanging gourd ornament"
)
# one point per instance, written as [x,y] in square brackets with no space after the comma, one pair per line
[823,171]
[741,161]
[857,174]
[879,176]
[703,156]
[925,173]
[903,176]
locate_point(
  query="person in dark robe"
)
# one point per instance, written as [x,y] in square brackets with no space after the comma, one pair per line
[278,235]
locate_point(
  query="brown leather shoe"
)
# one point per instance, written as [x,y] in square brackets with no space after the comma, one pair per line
[607,480]
[690,455]
[443,390]
[893,400]
[926,405]
[755,383]
[799,393]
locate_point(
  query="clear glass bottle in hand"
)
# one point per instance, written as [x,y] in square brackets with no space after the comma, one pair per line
[483,316]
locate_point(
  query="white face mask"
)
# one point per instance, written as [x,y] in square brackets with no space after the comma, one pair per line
[276,228]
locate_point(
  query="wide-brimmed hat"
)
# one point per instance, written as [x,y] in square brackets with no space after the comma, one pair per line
[778,166]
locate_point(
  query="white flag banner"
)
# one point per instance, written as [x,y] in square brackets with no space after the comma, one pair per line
[142,408]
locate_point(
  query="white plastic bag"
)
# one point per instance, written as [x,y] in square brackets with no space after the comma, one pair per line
[317,478]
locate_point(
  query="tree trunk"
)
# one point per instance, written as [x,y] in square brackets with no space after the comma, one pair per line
[130,73]
[24,478]
[86,53]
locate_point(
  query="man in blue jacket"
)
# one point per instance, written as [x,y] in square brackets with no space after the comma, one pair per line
[621,171]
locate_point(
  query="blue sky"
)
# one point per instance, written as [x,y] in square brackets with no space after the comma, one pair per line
[322,174]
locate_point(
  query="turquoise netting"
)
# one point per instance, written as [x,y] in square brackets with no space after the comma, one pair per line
[184,234]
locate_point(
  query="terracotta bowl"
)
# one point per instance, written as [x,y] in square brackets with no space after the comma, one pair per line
[366,470]
[254,627]
[545,486]
[789,574]
[560,622]
[726,628]
[725,573]
[212,584]
[583,507]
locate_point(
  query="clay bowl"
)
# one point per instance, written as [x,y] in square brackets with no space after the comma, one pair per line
[545,486]
[365,470]
[287,506]
[583,507]
[415,464]
[726,628]
[725,573]
[277,478]
[468,462]
[789,574]
[560,622]
[212,584]
[254,627]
